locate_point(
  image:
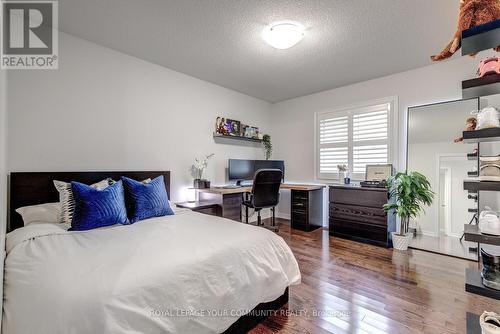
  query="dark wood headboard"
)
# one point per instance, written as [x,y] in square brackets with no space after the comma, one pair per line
[37,188]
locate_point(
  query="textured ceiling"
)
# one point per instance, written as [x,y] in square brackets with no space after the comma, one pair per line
[219,41]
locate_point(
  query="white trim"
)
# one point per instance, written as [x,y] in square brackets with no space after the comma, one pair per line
[392,132]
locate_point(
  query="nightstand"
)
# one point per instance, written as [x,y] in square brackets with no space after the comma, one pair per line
[206,207]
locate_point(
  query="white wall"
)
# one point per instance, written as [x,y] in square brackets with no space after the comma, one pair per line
[3,174]
[103,110]
[293,120]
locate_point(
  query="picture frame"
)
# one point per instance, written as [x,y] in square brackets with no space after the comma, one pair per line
[378,172]
[233,127]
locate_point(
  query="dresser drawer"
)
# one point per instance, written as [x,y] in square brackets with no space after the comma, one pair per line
[362,214]
[358,230]
[300,196]
[357,196]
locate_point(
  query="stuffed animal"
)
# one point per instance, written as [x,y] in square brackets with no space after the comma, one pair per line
[470,126]
[472,13]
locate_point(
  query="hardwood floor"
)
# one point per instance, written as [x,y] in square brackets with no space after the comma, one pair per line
[359,288]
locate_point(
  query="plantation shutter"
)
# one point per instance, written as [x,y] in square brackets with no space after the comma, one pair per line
[354,137]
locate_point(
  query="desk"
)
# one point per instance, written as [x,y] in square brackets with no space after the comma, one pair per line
[306,209]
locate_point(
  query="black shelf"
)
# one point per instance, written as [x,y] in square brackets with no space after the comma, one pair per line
[487,85]
[474,284]
[240,138]
[482,37]
[473,326]
[475,186]
[479,136]
[473,234]
[473,174]
[472,156]
[472,210]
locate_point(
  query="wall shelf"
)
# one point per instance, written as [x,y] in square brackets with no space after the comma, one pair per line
[487,85]
[475,186]
[482,37]
[484,135]
[472,156]
[473,234]
[474,284]
[238,138]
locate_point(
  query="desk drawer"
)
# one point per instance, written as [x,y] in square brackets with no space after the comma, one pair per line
[362,214]
[358,230]
[362,197]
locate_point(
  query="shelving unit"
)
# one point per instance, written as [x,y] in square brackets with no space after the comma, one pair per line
[478,87]
[473,234]
[485,36]
[238,138]
[474,284]
[474,186]
[481,136]
[474,40]
[472,156]
[473,326]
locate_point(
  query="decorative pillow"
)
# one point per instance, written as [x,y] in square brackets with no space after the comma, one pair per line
[67,201]
[98,208]
[41,213]
[146,200]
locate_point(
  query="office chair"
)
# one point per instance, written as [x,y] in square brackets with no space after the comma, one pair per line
[265,194]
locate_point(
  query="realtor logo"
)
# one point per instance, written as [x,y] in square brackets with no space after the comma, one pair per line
[29,35]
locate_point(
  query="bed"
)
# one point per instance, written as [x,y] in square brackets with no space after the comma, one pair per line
[186,273]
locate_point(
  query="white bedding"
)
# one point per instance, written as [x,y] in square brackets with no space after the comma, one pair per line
[161,275]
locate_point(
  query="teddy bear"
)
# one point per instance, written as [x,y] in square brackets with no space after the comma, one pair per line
[470,126]
[472,13]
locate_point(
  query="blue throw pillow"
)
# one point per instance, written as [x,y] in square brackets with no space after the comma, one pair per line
[146,199]
[98,208]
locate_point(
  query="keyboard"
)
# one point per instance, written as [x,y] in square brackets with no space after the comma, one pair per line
[231,186]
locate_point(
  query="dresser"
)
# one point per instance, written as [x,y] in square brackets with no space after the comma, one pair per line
[357,213]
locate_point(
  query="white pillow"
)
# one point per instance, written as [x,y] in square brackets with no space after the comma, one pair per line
[41,213]
[66,200]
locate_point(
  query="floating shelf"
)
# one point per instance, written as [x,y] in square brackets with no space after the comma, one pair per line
[484,135]
[473,234]
[472,174]
[474,284]
[472,156]
[240,138]
[487,85]
[472,210]
[473,326]
[482,37]
[475,186]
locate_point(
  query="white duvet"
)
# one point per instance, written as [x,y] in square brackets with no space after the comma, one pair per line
[187,273]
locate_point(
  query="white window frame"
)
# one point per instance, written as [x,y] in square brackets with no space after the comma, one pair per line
[392,135]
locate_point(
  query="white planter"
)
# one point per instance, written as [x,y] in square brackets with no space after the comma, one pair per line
[401,242]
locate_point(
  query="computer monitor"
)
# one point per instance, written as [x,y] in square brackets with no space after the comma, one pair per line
[272,164]
[241,170]
[244,170]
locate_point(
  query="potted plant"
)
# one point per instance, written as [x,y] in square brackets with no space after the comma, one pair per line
[197,170]
[268,146]
[342,169]
[409,193]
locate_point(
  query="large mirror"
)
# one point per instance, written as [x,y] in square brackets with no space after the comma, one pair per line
[432,151]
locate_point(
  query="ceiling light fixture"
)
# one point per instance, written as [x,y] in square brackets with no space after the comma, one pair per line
[283,35]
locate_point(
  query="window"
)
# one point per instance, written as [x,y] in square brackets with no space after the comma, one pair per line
[356,137]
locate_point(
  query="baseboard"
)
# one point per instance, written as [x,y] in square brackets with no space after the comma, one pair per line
[427,233]
[283,215]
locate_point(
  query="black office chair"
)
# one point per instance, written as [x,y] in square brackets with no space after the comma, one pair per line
[265,194]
